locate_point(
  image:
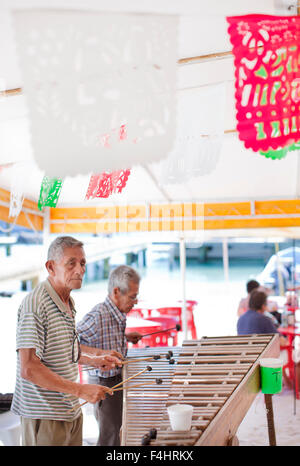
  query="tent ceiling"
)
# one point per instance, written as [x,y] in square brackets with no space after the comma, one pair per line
[239,174]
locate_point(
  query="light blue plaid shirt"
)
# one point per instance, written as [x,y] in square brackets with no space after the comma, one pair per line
[104,327]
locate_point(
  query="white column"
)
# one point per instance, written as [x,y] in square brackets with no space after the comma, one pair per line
[182,269]
[46,229]
[225,259]
[279,274]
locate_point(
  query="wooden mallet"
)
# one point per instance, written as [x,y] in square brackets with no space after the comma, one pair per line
[148,368]
[177,327]
[150,358]
[156,381]
[146,439]
[155,357]
[127,361]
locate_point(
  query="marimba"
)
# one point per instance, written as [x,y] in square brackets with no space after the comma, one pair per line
[219,376]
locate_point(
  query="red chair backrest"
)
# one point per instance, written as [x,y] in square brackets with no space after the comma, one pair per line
[136,312]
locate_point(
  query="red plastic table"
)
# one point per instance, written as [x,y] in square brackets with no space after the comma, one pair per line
[162,339]
[291,332]
[169,308]
[143,326]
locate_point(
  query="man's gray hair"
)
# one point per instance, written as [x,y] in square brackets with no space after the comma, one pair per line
[120,278]
[56,248]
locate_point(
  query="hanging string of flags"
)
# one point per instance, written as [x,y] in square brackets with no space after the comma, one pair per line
[49,192]
[107,183]
[267,82]
[199,135]
[100,186]
[281,153]
[267,100]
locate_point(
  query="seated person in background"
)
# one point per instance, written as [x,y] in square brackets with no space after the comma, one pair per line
[272,308]
[273,313]
[254,320]
[244,302]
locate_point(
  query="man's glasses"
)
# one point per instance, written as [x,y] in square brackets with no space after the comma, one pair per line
[76,351]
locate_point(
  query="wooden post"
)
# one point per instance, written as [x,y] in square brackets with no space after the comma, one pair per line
[270,418]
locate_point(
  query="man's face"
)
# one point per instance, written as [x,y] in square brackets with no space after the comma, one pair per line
[126,301]
[68,271]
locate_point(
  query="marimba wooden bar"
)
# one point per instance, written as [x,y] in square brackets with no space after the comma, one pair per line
[219,376]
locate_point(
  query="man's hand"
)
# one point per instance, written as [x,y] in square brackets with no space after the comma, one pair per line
[106,362]
[103,359]
[93,393]
[114,353]
[133,337]
[35,371]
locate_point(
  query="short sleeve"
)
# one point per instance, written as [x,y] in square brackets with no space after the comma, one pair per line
[89,328]
[269,326]
[30,328]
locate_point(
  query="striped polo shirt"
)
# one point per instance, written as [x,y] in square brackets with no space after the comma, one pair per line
[104,327]
[44,324]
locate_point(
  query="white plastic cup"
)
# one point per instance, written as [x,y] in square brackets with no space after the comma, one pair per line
[180,416]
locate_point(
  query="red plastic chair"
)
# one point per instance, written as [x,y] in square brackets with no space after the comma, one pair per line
[177,312]
[136,312]
[159,339]
[167,322]
[289,367]
[147,340]
[190,304]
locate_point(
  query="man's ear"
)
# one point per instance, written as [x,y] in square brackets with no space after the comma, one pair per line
[50,267]
[116,292]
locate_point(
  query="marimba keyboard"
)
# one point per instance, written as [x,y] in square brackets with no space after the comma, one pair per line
[219,376]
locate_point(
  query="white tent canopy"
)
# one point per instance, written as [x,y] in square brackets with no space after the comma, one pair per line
[204,62]
[239,174]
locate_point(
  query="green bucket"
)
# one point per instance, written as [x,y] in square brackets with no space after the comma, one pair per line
[271,375]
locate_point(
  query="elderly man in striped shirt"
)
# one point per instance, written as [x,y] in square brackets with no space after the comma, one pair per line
[104,327]
[48,352]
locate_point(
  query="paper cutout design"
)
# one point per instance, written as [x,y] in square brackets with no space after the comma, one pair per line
[281,153]
[17,189]
[105,184]
[49,193]
[267,79]
[199,135]
[86,74]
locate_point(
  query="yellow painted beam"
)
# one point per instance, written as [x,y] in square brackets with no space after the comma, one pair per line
[277,207]
[155,211]
[227,208]
[163,225]
[22,219]
[251,223]
[93,213]
[29,215]
[159,217]
[176,217]
[125,227]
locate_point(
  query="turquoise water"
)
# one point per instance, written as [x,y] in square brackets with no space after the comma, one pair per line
[204,282]
[210,271]
[217,298]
